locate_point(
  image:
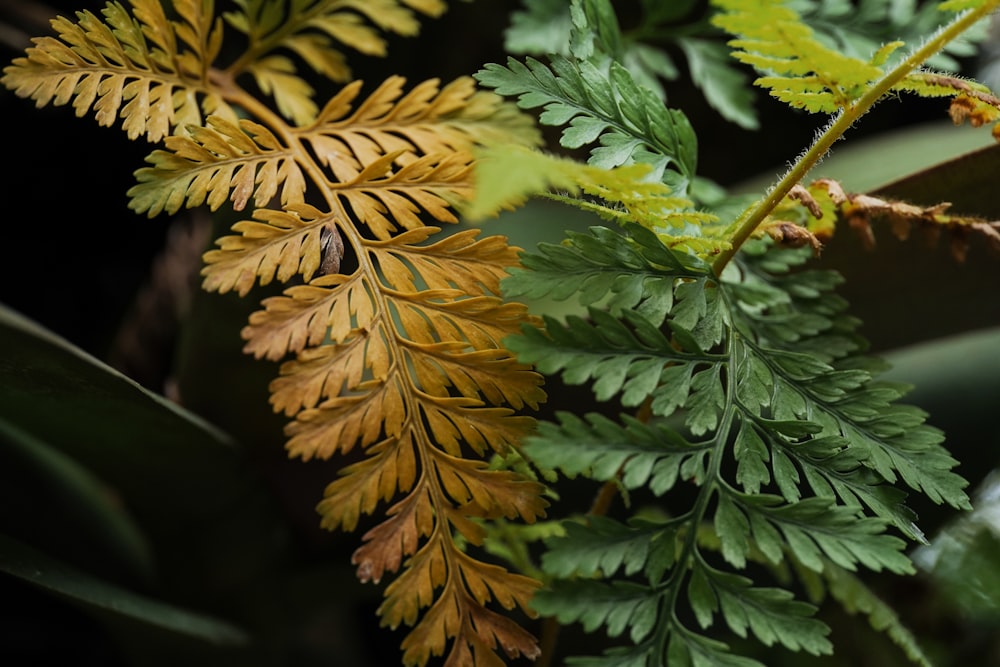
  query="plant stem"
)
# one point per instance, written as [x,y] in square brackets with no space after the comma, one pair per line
[750,219]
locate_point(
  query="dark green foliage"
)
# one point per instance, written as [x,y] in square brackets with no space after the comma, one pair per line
[761,398]
[762,458]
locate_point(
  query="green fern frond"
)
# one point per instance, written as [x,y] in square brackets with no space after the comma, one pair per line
[544,27]
[857,598]
[603,266]
[609,108]
[759,397]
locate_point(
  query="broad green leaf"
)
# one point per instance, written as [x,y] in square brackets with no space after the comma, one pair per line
[146,449]
[109,601]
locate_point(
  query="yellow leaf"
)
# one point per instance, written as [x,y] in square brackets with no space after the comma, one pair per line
[337,424]
[328,308]
[276,244]
[397,537]
[390,468]
[493,493]
[326,371]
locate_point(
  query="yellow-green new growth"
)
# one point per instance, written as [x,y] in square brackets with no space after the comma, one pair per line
[509,175]
[776,44]
[800,70]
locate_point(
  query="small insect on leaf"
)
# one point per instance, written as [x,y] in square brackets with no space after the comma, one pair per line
[332,249]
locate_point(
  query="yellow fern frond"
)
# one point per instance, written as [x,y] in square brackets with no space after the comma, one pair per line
[276,76]
[861,210]
[459,261]
[622,194]
[307,315]
[431,316]
[384,201]
[811,213]
[310,28]
[480,630]
[323,372]
[491,374]
[133,69]
[428,120]
[394,354]
[275,244]
[415,375]
[220,162]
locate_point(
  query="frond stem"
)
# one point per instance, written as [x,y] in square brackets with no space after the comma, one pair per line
[751,218]
[689,550]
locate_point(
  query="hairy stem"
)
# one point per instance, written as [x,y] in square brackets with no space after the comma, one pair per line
[750,219]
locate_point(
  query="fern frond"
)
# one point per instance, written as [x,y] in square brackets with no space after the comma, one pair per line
[972,101]
[411,370]
[282,24]
[428,185]
[146,69]
[824,203]
[800,69]
[310,29]
[758,397]
[427,120]
[401,358]
[512,174]
[861,29]
[217,162]
[609,108]
[460,605]
[852,593]
[607,266]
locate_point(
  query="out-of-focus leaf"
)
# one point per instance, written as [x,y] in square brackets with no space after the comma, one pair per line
[209,520]
[52,502]
[962,559]
[968,181]
[104,598]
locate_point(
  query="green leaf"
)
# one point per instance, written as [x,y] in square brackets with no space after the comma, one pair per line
[751,456]
[105,599]
[603,266]
[856,597]
[595,108]
[640,454]
[616,607]
[815,528]
[618,358]
[771,614]
[724,86]
[145,448]
[542,26]
[603,546]
[73,514]
[799,69]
